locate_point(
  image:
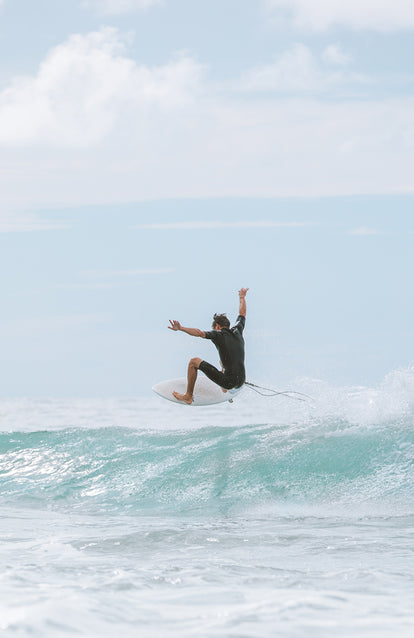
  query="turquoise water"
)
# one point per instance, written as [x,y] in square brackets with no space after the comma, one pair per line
[260,518]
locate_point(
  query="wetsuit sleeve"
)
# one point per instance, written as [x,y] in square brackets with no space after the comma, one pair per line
[240,323]
[211,334]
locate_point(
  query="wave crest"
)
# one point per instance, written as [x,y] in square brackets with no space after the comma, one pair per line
[322,460]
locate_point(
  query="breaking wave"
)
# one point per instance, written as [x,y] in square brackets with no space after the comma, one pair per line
[123,469]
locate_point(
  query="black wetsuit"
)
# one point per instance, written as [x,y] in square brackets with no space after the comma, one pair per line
[230,345]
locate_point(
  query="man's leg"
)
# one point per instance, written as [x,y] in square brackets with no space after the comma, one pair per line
[191,379]
[215,375]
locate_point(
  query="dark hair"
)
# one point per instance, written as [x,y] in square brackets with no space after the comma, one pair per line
[222,320]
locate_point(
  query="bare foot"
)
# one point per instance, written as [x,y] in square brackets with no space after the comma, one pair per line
[186,398]
[223,390]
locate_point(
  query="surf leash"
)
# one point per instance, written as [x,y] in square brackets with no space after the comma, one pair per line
[273,393]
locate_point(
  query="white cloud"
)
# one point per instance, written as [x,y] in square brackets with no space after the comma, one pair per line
[117,7]
[95,279]
[215,225]
[94,126]
[293,70]
[299,70]
[34,327]
[364,232]
[319,15]
[98,285]
[333,54]
[27,222]
[133,272]
[84,87]
[234,147]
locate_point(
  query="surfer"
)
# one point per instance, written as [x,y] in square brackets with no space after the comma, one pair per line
[230,345]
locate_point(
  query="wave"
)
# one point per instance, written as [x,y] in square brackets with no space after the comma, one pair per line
[327,460]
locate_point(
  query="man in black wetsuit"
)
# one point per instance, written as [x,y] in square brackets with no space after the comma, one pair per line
[230,345]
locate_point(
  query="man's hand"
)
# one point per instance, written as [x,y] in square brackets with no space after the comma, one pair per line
[193,332]
[242,301]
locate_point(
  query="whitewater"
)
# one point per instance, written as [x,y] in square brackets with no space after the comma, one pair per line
[265,517]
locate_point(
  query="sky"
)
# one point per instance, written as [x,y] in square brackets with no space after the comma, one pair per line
[157,155]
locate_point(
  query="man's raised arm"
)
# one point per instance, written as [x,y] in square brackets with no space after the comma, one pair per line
[194,332]
[242,301]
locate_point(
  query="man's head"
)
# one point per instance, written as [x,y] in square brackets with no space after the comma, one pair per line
[220,321]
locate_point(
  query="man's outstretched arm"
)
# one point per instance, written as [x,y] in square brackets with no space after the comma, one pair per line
[194,332]
[242,301]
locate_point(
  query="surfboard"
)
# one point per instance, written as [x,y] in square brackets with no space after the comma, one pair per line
[205,392]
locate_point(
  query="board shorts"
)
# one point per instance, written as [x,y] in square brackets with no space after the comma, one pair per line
[223,379]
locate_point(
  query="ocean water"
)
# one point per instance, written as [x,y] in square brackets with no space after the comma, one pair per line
[265,517]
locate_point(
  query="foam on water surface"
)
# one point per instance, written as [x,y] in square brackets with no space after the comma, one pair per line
[248,519]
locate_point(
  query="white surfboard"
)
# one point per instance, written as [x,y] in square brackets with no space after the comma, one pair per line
[205,392]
